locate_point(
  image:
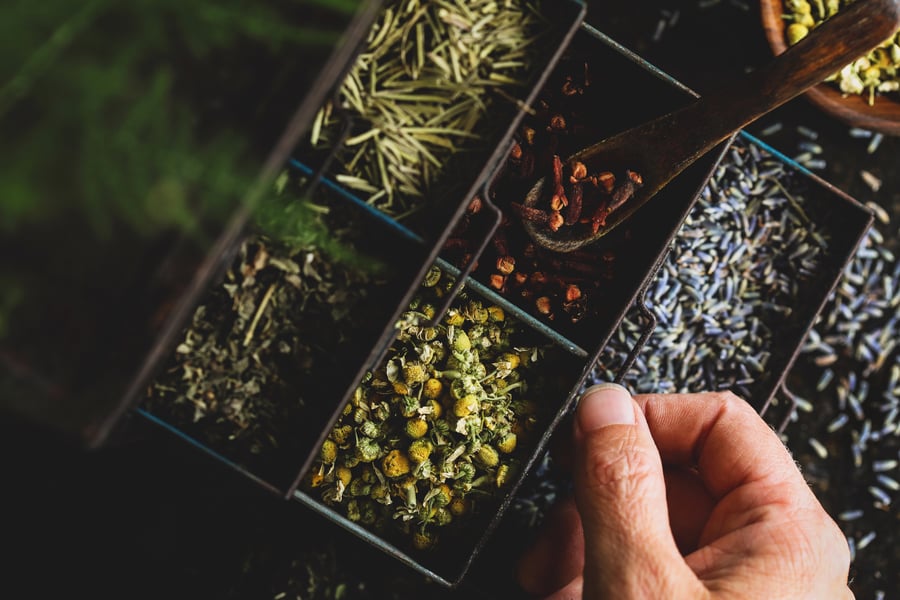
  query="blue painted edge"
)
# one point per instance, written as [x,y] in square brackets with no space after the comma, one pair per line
[520,314]
[368,536]
[776,153]
[209,451]
[346,195]
[444,265]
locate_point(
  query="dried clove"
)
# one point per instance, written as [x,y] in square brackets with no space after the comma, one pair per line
[534,215]
[506,265]
[573,210]
[625,191]
[559,200]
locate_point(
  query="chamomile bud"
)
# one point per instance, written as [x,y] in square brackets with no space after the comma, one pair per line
[461,341]
[344,475]
[796,32]
[359,396]
[465,472]
[504,474]
[368,514]
[428,310]
[367,450]
[358,487]
[443,516]
[341,435]
[465,406]
[328,452]
[407,487]
[423,540]
[496,314]
[465,385]
[414,373]
[379,492]
[381,412]
[454,318]
[432,277]
[509,360]
[799,6]
[416,428]
[420,450]
[443,496]
[353,510]
[507,443]
[370,429]
[436,410]
[368,475]
[409,406]
[395,464]
[432,388]
[458,506]
[487,456]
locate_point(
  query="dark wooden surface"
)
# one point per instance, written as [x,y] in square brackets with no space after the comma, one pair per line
[154,518]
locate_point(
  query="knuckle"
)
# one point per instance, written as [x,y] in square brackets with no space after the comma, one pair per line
[727,398]
[620,469]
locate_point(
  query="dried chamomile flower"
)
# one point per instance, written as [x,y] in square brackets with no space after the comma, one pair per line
[429,426]
[877,72]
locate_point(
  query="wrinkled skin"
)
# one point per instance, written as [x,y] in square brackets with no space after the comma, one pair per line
[697,499]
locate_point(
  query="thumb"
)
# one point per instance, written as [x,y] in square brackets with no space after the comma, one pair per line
[620,491]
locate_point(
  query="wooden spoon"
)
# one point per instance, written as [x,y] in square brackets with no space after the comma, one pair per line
[662,148]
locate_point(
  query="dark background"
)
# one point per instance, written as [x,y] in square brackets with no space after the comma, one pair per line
[150,517]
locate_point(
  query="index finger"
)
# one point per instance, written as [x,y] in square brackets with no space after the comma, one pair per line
[724,438]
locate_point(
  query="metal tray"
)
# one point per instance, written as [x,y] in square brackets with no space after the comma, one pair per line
[657,223]
[105,295]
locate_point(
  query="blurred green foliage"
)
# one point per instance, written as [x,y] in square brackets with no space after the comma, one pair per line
[101,104]
[122,120]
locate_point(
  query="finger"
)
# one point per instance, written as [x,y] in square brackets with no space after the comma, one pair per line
[621,495]
[557,556]
[724,437]
[690,505]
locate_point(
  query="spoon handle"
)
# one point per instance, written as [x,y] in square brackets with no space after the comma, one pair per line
[698,127]
[844,37]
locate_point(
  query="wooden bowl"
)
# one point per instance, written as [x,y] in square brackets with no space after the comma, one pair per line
[853,109]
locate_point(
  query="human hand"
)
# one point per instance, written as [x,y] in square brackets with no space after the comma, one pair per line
[684,496]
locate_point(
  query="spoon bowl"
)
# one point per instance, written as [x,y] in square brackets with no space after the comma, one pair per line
[660,149]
